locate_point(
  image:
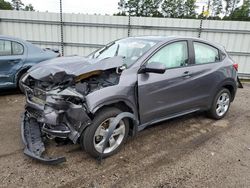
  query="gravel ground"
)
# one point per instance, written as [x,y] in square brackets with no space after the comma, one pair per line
[191,151]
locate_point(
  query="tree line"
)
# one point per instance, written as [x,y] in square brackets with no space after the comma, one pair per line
[214,9]
[15,5]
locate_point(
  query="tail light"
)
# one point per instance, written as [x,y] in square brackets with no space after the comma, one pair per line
[236,66]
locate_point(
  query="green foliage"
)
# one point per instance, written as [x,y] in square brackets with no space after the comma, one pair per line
[231,5]
[122,7]
[29,7]
[15,5]
[158,8]
[19,5]
[216,7]
[189,9]
[173,8]
[139,7]
[4,5]
[241,13]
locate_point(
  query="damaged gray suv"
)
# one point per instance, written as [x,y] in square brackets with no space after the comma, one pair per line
[99,100]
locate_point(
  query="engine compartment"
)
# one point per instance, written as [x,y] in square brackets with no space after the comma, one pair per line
[104,79]
[84,84]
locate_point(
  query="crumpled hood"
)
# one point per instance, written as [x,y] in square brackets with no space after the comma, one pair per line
[60,69]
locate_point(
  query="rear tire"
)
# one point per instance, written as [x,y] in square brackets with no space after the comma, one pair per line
[221,104]
[91,139]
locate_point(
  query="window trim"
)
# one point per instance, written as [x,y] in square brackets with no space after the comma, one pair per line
[11,41]
[202,42]
[166,44]
[12,48]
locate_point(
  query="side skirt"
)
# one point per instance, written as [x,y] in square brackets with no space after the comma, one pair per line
[143,126]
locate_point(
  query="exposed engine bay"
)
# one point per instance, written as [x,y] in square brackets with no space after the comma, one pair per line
[98,81]
[65,101]
[56,105]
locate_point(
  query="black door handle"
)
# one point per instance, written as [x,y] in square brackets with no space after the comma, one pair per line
[186,74]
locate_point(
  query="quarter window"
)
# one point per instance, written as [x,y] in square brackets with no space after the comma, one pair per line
[5,48]
[205,53]
[17,48]
[172,55]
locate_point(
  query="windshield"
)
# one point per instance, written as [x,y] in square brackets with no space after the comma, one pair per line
[130,49]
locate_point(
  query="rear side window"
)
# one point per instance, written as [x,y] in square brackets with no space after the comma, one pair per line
[173,55]
[205,53]
[5,48]
[17,48]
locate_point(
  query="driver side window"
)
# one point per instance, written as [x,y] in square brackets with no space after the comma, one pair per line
[172,55]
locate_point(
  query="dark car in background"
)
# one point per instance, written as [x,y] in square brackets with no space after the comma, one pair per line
[121,89]
[16,57]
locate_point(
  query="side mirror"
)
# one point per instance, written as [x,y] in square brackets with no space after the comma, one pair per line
[153,67]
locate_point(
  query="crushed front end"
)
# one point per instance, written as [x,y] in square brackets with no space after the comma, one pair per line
[51,112]
[56,104]
[56,99]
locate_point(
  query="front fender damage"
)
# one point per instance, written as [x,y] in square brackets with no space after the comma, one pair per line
[57,104]
[34,145]
[55,119]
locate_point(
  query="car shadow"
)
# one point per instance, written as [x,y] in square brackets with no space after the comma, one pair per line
[4,92]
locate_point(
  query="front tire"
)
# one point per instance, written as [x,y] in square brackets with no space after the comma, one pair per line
[221,104]
[93,137]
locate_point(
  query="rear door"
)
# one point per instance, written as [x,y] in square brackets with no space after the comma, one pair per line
[205,72]
[171,93]
[12,56]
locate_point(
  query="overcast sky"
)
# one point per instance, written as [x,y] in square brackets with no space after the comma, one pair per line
[83,6]
[76,6]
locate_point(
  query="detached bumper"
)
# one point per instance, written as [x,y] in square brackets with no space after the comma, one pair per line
[32,139]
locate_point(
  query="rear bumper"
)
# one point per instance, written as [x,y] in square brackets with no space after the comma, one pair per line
[33,141]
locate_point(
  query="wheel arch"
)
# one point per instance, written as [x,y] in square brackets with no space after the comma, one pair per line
[231,89]
[229,84]
[20,73]
[124,106]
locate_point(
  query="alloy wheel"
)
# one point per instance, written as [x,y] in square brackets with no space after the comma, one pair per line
[115,139]
[222,104]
